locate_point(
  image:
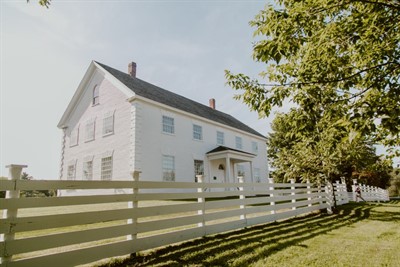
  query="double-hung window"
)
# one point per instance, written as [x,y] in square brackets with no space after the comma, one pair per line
[168,125]
[197,132]
[88,168]
[108,123]
[71,170]
[256,175]
[90,129]
[220,138]
[74,137]
[240,170]
[106,167]
[168,168]
[238,141]
[198,167]
[254,147]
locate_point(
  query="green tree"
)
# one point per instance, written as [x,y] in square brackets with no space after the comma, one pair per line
[394,189]
[45,3]
[325,55]
[304,148]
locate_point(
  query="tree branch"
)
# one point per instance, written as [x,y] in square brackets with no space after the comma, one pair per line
[330,81]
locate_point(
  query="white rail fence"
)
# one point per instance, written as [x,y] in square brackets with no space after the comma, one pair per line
[369,193]
[74,230]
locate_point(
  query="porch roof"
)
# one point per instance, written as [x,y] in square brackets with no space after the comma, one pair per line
[223,152]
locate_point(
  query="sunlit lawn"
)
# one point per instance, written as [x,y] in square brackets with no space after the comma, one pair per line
[358,234]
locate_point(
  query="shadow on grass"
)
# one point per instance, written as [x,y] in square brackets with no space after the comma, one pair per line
[240,248]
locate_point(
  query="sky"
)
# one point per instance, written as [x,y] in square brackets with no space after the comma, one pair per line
[181,46]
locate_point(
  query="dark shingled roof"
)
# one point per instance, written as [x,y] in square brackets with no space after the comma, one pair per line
[152,92]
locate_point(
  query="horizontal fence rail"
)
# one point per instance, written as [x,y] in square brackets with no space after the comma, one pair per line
[91,220]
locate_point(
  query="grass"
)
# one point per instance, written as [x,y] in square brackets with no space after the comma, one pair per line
[358,234]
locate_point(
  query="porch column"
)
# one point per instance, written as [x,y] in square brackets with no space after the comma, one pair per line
[251,172]
[228,169]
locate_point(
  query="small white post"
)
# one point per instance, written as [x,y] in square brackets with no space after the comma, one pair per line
[14,174]
[319,193]
[133,205]
[338,193]
[329,191]
[344,190]
[272,188]
[241,197]
[292,181]
[353,187]
[201,200]
[309,192]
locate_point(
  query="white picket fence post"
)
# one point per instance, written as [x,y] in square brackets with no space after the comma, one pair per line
[292,181]
[344,190]
[272,203]
[320,193]
[353,187]
[14,174]
[133,205]
[329,197]
[309,192]
[337,193]
[200,200]
[241,197]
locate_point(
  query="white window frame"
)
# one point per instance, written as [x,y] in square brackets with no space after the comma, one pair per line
[238,142]
[106,167]
[220,138]
[198,167]
[87,168]
[96,95]
[240,170]
[197,132]
[108,123]
[254,147]
[168,168]
[90,130]
[71,170]
[256,175]
[74,137]
[168,124]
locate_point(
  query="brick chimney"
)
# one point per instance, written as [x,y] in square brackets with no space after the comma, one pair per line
[132,69]
[212,103]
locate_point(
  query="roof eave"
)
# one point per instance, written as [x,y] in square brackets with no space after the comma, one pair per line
[78,93]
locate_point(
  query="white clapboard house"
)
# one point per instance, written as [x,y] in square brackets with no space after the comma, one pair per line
[116,124]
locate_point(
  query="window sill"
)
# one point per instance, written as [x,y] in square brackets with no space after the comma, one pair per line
[108,134]
[88,141]
[73,145]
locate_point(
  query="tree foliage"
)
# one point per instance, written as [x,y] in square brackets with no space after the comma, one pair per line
[325,56]
[394,189]
[316,149]
[45,3]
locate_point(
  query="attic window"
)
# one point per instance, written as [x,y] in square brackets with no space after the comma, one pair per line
[96,96]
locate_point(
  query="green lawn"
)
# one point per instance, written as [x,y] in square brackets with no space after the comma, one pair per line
[359,234]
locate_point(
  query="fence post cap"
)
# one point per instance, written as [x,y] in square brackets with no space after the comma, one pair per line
[16,166]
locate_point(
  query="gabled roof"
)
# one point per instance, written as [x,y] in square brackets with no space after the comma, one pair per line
[224,148]
[157,94]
